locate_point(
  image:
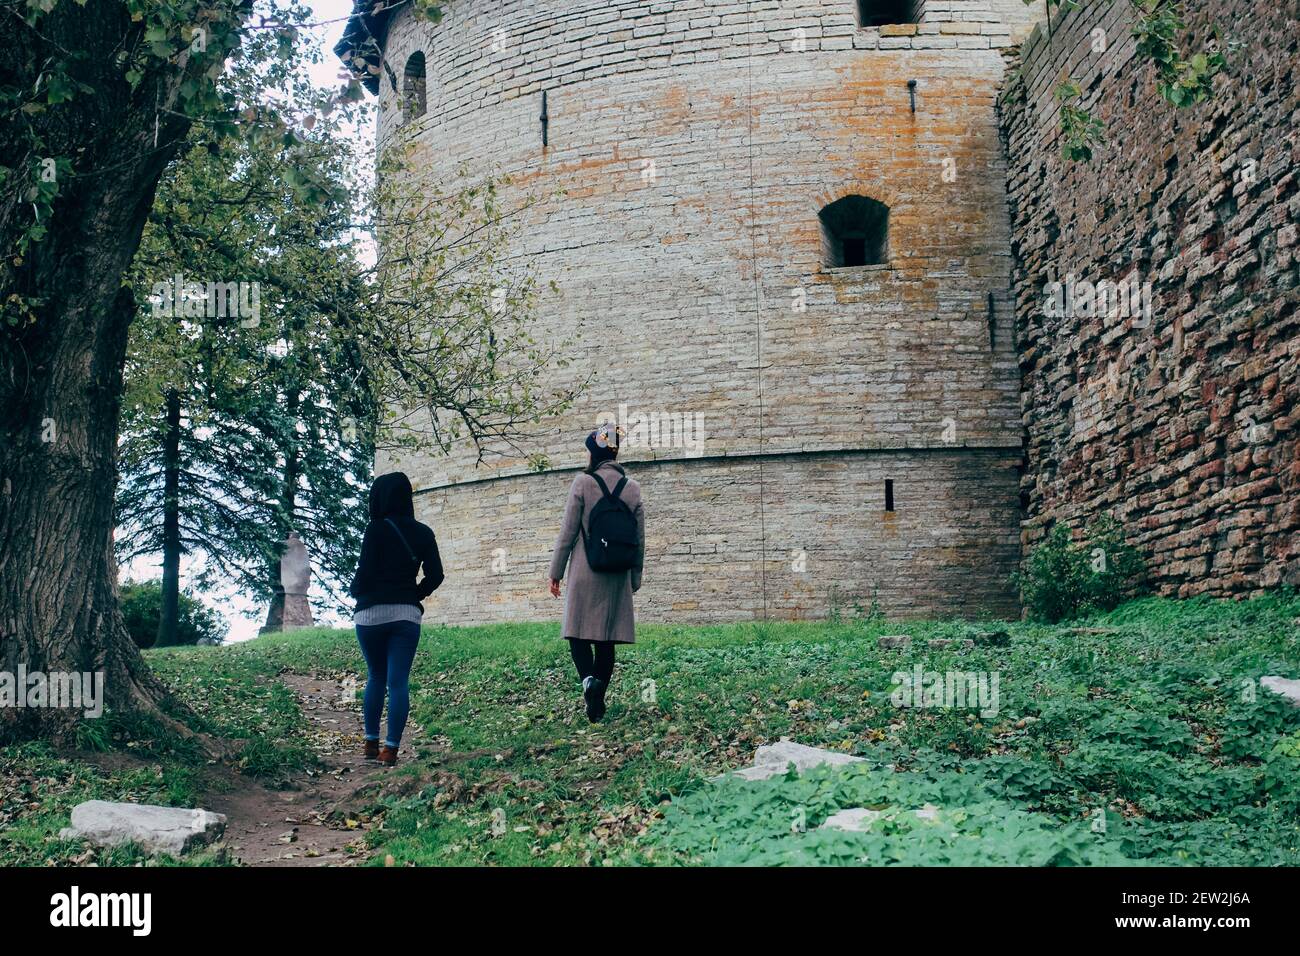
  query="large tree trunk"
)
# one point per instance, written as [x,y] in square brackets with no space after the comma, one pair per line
[61,375]
[58,578]
[171,539]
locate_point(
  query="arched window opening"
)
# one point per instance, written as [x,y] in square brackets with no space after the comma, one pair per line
[854,232]
[875,13]
[414,100]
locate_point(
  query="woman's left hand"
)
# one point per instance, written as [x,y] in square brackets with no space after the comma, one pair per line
[555,588]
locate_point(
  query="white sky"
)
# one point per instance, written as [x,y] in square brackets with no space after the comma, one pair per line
[331,16]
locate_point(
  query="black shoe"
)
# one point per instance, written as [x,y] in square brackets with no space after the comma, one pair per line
[593,694]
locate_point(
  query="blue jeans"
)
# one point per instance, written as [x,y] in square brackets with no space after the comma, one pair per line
[389,650]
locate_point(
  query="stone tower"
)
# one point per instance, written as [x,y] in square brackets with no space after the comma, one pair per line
[789,217]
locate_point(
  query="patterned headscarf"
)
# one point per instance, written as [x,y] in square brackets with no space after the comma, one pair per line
[604,441]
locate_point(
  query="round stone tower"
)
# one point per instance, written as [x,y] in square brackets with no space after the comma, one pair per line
[781,231]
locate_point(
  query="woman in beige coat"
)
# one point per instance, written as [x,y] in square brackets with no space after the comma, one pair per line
[598,607]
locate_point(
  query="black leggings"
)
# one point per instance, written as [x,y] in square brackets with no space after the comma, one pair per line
[603,666]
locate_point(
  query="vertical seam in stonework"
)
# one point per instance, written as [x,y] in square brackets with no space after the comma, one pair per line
[758,314]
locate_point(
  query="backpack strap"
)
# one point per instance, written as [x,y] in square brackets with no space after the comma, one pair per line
[402,538]
[604,488]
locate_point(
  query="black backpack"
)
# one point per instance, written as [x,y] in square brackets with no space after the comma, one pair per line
[611,543]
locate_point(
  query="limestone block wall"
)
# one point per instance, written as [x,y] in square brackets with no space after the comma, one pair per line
[491,51]
[1183,425]
[691,146]
[817,538]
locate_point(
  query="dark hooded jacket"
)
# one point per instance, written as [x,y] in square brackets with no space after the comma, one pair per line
[388,566]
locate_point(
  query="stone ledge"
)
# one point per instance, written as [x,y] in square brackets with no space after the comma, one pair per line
[1007,445]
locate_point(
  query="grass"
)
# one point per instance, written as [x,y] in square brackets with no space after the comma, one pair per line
[1142,737]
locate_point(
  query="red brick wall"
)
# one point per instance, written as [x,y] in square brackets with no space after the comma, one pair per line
[1184,427]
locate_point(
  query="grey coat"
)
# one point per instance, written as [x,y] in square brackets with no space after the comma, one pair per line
[597,606]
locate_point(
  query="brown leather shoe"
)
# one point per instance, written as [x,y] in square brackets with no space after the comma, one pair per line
[388,756]
[372,749]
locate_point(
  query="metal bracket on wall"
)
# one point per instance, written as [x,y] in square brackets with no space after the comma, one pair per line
[911,93]
[992,323]
[545,117]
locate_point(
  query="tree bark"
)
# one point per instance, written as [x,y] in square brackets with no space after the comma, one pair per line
[58,577]
[171,542]
[61,375]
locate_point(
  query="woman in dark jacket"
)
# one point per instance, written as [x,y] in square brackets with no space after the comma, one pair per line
[388,613]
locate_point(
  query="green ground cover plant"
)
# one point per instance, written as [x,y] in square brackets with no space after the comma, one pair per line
[1140,734]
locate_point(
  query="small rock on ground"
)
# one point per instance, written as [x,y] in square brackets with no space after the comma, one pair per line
[1290,689]
[172,830]
[856,819]
[772,760]
[859,819]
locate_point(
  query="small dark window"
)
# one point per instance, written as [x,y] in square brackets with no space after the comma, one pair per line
[414,101]
[854,232]
[874,13]
[889,494]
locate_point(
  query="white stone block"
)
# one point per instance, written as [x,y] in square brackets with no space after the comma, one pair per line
[172,830]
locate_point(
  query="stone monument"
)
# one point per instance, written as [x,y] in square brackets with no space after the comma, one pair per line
[290,607]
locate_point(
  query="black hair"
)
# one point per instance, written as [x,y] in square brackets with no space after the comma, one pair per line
[608,453]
